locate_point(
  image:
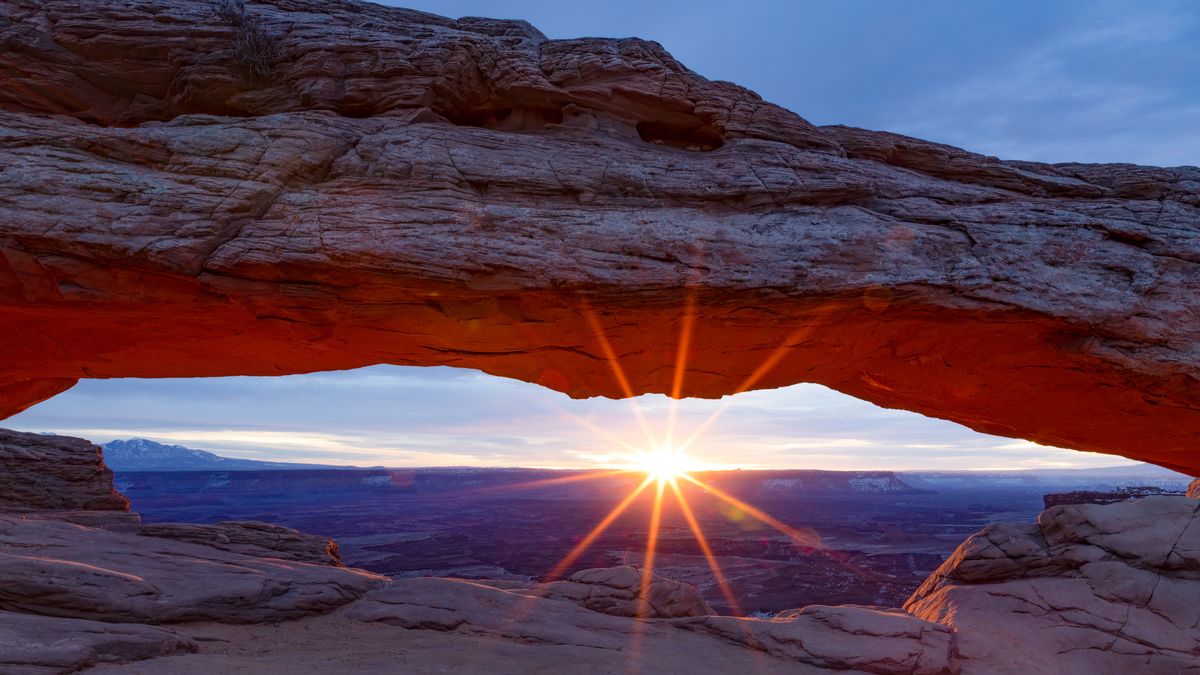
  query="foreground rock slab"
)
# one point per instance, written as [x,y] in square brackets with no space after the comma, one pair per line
[333,644]
[410,189]
[61,569]
[1090,589]
[253,538]
[817,639]
[620,591]
[858,639]
[39,645]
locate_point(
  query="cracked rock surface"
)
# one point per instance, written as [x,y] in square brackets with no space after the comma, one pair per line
[416,190]
[55,473]
[40,645]
[1089,589]
[817,639]
[61,569]
[619,591]
[252,538]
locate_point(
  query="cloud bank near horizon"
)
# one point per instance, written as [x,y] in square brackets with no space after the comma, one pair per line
[403,416]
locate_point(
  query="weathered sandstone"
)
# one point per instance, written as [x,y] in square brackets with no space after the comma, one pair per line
[857,639]
[60,569]
[410,189]
[252,538]
[1092,589]
[819,639]
[42,472]
[618,591]
[40,645]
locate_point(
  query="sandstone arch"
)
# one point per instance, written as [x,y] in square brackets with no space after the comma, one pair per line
[417,190]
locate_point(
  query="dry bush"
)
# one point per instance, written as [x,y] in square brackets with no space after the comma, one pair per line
[254,48]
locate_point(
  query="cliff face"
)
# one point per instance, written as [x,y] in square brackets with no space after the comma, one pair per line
[316,185]
[54,473]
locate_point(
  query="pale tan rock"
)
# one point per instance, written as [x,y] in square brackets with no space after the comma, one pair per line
[417,190]
[819,639]
[326,644]
[1092,589]
[618,591]
[252,538]
[858,639]
[40,645]
[56,568]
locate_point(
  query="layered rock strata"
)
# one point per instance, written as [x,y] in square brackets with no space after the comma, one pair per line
[55,473]
[623,591]
[62,569]
[405,188]
[1090,589]
[252,538]
[40,645]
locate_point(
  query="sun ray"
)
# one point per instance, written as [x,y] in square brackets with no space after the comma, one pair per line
[805,539]
[544,482]
[681,356]
[612,438]
[651,548]
[618,371]
[596,531]
[794,338]
[702,541]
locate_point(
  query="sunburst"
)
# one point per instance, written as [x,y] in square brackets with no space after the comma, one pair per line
[666,462]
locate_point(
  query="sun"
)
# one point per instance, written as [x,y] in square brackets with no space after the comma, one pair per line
[663,464]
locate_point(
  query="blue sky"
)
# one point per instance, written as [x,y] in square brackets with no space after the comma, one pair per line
[1061,81]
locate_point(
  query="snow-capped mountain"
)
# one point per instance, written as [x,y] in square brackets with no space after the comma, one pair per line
[140,454]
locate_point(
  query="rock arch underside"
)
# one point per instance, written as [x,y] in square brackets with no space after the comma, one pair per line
[378,185]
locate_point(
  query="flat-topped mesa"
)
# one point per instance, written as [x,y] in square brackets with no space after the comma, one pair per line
[408,189]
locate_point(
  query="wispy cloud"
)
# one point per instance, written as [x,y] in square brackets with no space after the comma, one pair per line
[1119,85]
[440,416]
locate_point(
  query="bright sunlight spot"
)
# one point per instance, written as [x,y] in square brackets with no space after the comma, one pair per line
[663,464]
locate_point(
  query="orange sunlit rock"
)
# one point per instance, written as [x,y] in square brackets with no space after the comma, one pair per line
[416,190]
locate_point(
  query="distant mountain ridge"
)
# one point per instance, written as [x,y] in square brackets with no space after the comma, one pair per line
[1105,478]
[140,454]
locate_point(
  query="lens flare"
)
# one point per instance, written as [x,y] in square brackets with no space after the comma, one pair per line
[666,462]
[662,464]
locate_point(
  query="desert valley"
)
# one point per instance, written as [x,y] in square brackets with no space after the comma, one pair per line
[874,537]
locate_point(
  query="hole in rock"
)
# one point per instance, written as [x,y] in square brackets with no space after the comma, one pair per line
[507,118]
[765,501]
[701,137]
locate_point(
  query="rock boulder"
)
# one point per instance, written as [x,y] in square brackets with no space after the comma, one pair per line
[1104,589]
